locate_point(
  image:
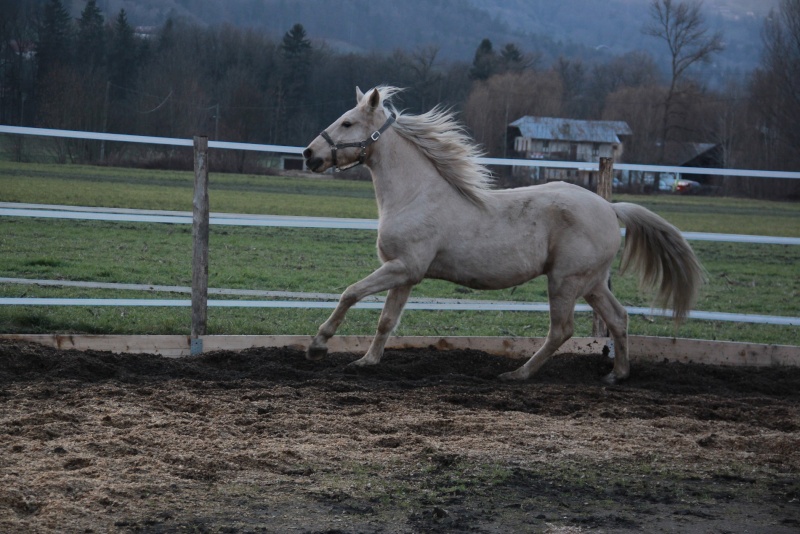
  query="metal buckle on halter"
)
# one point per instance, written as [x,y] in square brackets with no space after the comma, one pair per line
[375,136]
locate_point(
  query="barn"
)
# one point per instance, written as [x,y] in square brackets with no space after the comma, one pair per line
[556,139]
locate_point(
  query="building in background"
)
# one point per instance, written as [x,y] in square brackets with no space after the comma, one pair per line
[548,138]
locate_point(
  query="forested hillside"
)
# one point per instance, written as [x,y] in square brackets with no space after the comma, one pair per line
[181,78]
[574,28]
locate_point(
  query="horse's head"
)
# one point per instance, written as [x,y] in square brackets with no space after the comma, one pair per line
[348,141]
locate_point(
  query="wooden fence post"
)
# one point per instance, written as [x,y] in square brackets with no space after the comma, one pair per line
[604,183]
[200,215]
[606,178]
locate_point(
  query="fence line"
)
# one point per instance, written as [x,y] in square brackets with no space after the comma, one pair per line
[371,302]
[144,139]
[510,306]
[282,149]
[427,306]
[177,217]
[11,209]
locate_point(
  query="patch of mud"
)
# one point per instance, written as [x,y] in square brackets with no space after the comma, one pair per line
[264,440]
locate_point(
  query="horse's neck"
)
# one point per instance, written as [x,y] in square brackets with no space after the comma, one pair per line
[401,174]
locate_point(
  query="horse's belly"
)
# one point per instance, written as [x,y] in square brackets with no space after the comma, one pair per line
[486,271]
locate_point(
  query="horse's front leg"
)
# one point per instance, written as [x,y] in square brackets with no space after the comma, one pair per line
[390,316]
[390,275]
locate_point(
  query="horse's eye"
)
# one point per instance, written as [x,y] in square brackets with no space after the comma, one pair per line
[347,124]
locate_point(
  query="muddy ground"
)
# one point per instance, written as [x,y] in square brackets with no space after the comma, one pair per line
[265,441]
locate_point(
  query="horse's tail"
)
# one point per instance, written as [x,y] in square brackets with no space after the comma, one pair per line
[662,257]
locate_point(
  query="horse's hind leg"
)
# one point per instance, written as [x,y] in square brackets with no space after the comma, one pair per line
[562,307]
[395,301]
[613,313]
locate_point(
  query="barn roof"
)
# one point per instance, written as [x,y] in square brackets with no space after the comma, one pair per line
[554,129]
[689,154]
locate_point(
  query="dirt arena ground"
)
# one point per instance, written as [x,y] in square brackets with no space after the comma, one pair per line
[265,441]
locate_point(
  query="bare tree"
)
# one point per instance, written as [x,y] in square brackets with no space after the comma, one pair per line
[504,98]
[634,69]
[421,75]
[682,27]
[776,85]
[635,105]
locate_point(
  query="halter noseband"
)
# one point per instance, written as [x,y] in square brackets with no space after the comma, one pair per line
[363,145]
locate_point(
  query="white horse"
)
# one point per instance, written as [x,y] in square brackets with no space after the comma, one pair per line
[439,218]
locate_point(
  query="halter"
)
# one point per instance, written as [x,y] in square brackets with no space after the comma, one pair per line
[363,145]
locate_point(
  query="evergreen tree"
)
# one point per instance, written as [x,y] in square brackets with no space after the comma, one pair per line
[90,46]
[296,53]
[485,62]
[19,26]
[166,37]
[295,46]
[54,46]
[512,57]
[123,56]
[295,65]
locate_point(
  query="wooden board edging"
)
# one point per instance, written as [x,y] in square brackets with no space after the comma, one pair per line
[642,348]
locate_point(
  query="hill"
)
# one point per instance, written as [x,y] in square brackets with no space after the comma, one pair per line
[573,28]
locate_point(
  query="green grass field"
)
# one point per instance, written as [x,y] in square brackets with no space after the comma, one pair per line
[743,278]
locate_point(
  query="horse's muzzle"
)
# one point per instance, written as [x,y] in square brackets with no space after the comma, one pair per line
[313,163]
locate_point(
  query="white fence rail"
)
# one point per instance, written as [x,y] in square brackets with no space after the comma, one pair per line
[49,211]
[109,214]
[281,149]
[411,305]
[143,139]
[593,166]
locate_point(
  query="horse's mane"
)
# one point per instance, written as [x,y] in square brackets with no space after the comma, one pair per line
[443,140]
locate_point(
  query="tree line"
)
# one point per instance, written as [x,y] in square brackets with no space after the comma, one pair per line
[235,84]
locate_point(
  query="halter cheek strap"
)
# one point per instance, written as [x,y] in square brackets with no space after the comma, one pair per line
[363,145]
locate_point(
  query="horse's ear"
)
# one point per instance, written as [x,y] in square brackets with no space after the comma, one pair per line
[374,99]
[359,95]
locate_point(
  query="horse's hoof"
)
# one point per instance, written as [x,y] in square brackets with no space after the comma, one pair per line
[513,376]
[316,353]
[361,362]
[612,379]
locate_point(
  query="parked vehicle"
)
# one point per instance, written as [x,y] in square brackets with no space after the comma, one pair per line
[686,186]
[671,184]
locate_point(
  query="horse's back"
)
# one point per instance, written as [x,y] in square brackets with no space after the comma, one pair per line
[554,191]
[561,206]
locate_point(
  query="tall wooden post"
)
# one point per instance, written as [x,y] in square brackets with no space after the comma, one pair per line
[604,182]
[200,215]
